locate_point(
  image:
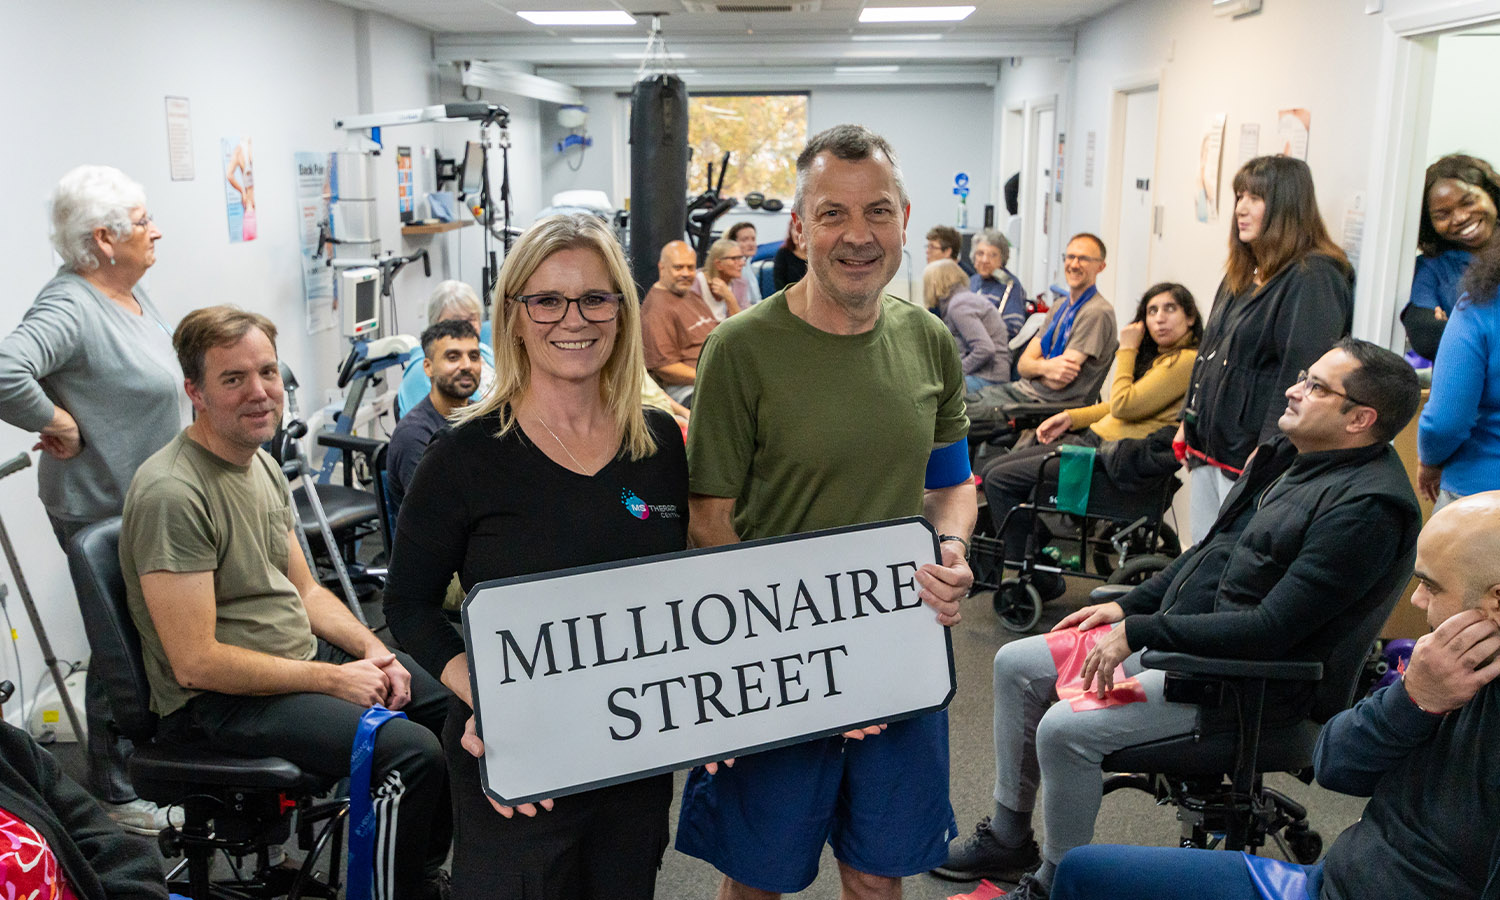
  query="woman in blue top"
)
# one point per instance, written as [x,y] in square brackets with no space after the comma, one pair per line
[1458,439]
[1459,199]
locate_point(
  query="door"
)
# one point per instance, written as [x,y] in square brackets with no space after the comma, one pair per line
[1131,257]
[1041,217]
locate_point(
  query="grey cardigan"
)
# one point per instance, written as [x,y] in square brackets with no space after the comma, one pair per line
[116,373]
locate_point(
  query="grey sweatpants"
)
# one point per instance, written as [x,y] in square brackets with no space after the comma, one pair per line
[1041,741]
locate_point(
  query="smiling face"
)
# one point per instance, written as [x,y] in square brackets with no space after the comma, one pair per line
[853,226]
[1461,213]
[454,366]
[730,267]
[1249,216]
[1166,320]
[573,349]
[239,397]
[676,267]
[1082,263]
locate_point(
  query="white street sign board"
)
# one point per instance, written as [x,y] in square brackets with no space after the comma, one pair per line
[592,676]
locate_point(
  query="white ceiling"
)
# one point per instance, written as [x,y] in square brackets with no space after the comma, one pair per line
[759,47]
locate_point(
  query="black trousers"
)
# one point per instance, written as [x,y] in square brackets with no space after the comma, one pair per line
[1008,482]
[605,844]
[408,777]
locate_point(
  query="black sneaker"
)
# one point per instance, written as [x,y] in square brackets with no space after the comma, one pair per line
[1028,888]
[983,856]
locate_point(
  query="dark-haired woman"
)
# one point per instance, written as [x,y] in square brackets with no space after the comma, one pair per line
[1458,439]
[1286,298]
[1152,368]
[1459,201]
[790,263]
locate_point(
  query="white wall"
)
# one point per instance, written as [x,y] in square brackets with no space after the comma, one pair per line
[87,80]
[1462,121]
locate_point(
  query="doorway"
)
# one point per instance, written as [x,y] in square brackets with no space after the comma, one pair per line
[1134,182]
[1040,213]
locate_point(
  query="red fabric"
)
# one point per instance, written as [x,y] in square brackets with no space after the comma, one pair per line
[28,868]
[1069,649]
[985,891]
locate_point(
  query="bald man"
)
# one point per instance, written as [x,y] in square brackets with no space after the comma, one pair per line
[1423,750]
[675,322]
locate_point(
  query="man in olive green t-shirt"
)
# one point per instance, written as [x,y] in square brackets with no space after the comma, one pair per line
[244,650]
[831,404]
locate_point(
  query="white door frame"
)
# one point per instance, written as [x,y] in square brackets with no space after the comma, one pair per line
[1397,168]
[1114,178]
[1036,282]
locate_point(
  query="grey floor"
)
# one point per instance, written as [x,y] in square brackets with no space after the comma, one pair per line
[1128,817]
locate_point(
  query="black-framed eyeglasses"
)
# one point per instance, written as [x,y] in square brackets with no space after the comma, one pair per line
[1319,389]
[1069,258]
[551,307]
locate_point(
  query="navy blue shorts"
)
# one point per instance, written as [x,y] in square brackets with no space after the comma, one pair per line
[881,803]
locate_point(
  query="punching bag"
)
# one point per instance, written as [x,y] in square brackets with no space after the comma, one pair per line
[658,172]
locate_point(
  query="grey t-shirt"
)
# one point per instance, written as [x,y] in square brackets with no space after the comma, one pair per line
[115,372]
[190,510]
[1094,335]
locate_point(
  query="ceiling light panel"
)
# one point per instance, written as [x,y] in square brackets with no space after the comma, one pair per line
[915,13]
[577,17]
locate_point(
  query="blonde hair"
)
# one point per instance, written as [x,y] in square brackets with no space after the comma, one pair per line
[716,253]
[940,280]
[620,380]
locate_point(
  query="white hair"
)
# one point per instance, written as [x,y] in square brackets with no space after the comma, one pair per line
[452,295]
[994,239]
[87,198]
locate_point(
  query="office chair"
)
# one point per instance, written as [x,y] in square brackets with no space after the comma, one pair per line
[240,805]
[1214,777]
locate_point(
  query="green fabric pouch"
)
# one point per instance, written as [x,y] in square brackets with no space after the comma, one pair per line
[1075,473]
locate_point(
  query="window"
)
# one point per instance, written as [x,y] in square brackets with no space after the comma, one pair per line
[763,134]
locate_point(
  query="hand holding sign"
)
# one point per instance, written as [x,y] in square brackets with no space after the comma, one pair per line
[475,748]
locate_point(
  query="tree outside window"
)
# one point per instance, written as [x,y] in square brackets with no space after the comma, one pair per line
[763,134]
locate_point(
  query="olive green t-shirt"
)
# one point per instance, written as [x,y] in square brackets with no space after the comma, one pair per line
[809,430]
[190,510]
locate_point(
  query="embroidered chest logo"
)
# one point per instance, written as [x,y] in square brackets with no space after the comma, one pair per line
[635,505]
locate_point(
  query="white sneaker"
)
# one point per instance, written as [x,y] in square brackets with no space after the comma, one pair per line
[142,816]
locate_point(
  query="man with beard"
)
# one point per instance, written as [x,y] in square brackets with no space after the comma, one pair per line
[451,360]
[675,322]
[244,650]
[829,404]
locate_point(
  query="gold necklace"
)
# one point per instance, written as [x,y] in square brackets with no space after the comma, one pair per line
[581,469]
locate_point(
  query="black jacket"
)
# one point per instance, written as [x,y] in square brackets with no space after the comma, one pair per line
[1254,344]
[99,860]
[1305,547]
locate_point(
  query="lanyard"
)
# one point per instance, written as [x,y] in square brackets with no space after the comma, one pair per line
[361,809]
[1055,340]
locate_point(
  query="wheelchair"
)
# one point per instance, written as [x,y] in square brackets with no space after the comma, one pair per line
[1120,538]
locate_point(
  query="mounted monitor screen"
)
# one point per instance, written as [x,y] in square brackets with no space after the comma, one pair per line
[361,301]
[471,176]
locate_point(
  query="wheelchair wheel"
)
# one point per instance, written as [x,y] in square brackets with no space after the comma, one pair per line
[1306,845]
[1139,568]
[1018,605]
[1167,544]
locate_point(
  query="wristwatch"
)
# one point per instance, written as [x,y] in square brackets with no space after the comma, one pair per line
[953,537]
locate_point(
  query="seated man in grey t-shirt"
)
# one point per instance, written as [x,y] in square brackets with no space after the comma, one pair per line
[1068,360]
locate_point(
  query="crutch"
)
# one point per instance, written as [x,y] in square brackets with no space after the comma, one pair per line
[11,467]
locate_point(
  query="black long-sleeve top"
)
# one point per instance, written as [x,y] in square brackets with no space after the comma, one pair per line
[1432,826]
[787,268]
[487,508]
[99,860]
[1254,344]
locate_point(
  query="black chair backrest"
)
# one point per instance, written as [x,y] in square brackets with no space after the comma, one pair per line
[94,560]
[1345,662]
[379,479]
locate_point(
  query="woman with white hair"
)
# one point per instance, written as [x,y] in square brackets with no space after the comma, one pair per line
[449,300]
[91,369]
[558,465]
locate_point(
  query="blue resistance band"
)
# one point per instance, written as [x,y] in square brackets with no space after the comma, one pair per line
[361,809]
[1277,880]
[947,466]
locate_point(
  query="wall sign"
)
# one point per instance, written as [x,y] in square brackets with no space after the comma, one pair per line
[593,676]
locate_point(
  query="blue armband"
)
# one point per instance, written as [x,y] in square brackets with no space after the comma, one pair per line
[948,465]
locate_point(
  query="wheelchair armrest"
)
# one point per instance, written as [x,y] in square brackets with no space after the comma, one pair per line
[1036,410]
[1268,669]
[350,443]
[1108,593]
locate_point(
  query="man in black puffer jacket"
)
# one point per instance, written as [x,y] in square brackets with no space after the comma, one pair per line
[1312,539]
